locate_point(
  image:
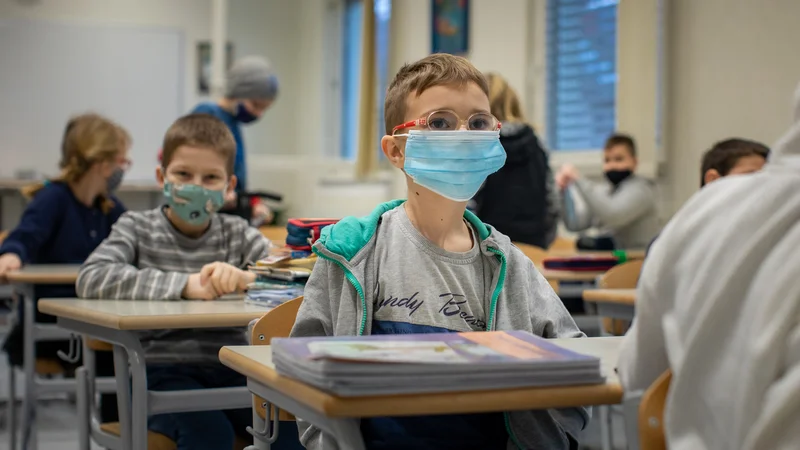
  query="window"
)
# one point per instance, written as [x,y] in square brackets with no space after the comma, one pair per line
[351,69]
[581,73]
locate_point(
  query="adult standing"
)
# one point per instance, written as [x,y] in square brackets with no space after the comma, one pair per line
[250,89]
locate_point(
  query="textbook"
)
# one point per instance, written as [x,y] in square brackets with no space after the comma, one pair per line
[427,363]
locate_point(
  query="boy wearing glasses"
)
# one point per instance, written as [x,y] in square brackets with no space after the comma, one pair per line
[184,250]
[427,265]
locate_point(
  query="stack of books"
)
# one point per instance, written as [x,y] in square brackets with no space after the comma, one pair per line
[428,363]
[279,278]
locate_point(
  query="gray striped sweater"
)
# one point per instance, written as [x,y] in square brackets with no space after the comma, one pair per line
[146,258]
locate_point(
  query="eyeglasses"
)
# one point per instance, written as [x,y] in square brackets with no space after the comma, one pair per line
[448,121]
[124,163]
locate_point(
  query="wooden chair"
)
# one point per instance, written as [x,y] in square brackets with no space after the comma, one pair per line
[651,414]
[623,276]
[563,244]
[276,323]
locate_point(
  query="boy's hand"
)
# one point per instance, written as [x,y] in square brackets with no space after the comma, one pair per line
[9,262]
[195,290]
[225,278]
[566,175]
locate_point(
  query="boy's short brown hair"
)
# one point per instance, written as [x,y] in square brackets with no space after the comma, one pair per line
[439,69]
[200,130]
[621,139]
[724,155]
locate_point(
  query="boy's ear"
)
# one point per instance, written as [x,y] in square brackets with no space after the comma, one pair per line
[232,181]
[711,175]
[160,176]
[394,153]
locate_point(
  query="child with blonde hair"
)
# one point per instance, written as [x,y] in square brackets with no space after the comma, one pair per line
[69,215]
[520,199]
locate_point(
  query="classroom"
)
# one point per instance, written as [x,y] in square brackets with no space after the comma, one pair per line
[289,224]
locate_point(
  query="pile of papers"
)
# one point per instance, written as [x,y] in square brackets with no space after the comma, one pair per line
[426,363]
[279,278]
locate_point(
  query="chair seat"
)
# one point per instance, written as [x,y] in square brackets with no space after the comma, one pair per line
[48,366]
[155,441]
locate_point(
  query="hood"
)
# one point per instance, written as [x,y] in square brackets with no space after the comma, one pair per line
[351,234]
[787,150]
[519,141]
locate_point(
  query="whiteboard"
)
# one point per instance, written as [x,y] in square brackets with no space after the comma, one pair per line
[50,71]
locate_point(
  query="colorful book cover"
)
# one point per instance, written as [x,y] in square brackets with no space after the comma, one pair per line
[434,348]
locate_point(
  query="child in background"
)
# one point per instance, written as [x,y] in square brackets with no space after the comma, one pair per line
[626,209]
[718,303]
[460,274]
[184,250]
[730,157]
[520,200]
[250,89]
[67,218]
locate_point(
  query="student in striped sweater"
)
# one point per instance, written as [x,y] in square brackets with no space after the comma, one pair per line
[184,250]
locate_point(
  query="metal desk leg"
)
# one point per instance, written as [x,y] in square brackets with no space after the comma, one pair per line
[83,401]
[12,407]
[258,424]
[29,432]
[123,396]
[630,406]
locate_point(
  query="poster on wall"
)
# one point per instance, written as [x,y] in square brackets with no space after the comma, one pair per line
[204,65]
[450,32]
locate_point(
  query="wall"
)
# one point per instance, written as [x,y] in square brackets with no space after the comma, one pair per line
[733,68]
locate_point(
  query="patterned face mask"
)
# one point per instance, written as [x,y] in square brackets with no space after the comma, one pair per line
[192,203]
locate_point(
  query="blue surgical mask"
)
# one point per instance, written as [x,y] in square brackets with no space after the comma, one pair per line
[453,164]
[115,179]
[243,115]
[192,203]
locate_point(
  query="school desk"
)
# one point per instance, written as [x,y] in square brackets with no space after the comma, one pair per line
[117,322]
[562,253]
[22,282]
[340,416]
[570,275]
[612,303]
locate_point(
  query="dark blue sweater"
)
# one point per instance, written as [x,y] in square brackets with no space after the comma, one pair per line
[239,166]
[56,228]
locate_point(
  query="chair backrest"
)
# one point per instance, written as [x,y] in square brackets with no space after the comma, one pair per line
[276,323]
[623,276]
[651,414]
[562,243]
[536,254]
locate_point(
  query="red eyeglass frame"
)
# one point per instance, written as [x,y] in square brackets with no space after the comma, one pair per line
[423,121]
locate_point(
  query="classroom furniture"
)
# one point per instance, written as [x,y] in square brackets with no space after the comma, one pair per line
[340,416]
[23,282]
[612,303]
[276,234]
[117,322]
[644,415]
[563,243]
[618,315]
[534,253]
[276,323]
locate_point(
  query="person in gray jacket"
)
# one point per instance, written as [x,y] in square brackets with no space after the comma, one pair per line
[625,210]
[427,265]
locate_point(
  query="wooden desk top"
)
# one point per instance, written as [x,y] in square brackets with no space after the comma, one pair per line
[256,363]
[154,315]
[128,186]
[621,296]
[569,275]
[631,254]
[45,274]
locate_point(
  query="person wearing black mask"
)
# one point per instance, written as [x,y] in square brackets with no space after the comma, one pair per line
[625,209]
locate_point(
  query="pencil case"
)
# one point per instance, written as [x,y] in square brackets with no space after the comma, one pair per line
[302,233]
[582,263]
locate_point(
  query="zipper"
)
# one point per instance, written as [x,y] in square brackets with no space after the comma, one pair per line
[498,288]
[352,279]
[492,308]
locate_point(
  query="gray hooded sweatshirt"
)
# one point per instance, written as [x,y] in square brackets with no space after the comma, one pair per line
[340,301]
